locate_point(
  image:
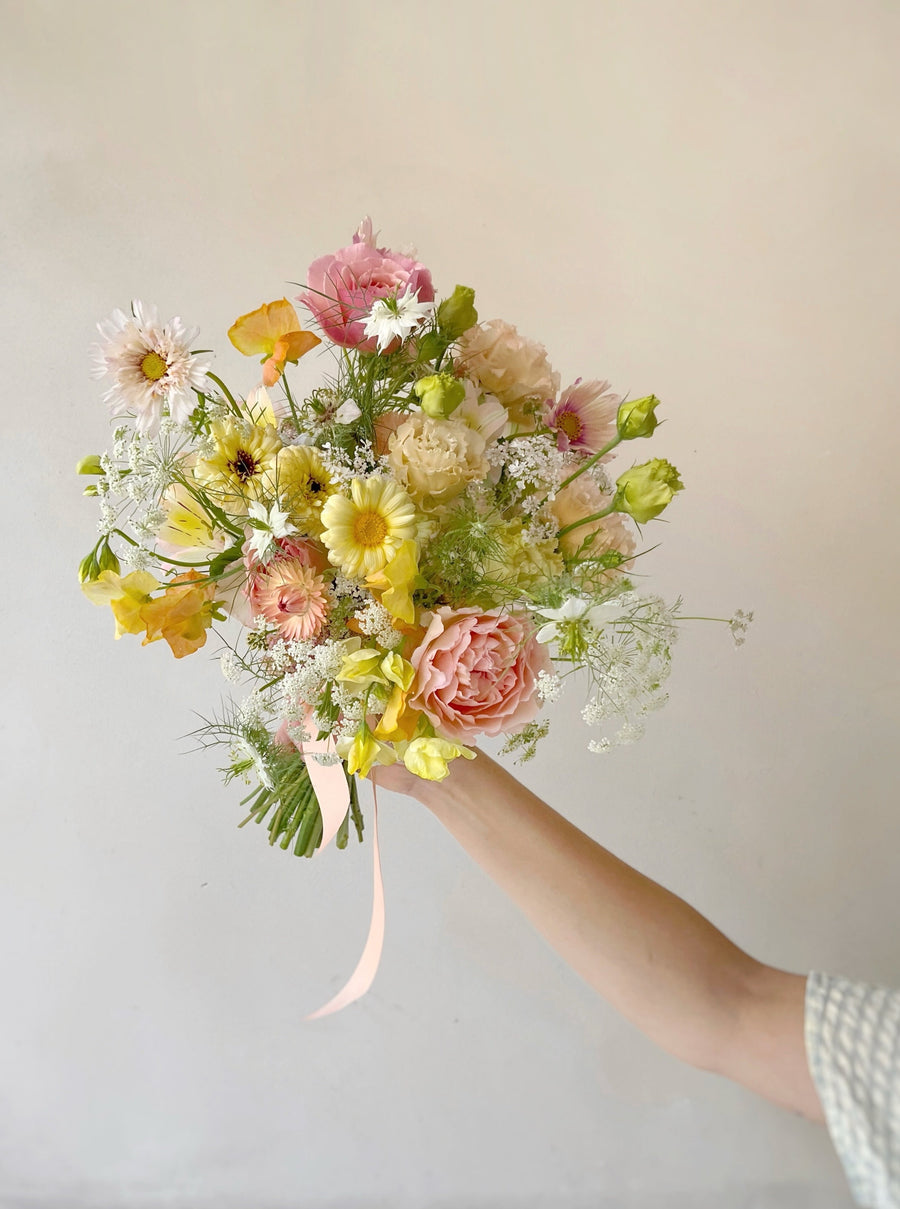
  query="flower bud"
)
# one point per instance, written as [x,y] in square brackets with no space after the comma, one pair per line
[440,394]
[88,570]
[457,313]
[107,561]
[89,465]
[637,417]
[644,491]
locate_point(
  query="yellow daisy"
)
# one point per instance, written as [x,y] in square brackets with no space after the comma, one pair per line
[302,485]
[364,532]
[237,469]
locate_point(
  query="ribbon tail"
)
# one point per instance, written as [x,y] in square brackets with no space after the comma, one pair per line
[367,967]
[330,783]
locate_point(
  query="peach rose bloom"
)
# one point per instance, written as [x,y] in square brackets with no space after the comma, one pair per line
[507,365]
[476,672]
[583,498]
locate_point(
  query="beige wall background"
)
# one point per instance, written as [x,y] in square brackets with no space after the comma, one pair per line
[695,198]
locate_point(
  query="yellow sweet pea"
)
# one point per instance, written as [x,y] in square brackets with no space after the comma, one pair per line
[429,757]
[364,750]
[398,670]
[396,580]
[397,723]
[272,331]
[362,667]
[126,596]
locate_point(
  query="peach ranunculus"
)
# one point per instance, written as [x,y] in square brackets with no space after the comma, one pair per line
[343,286]
[512,367]
[476,672]
[274,332]
[182,615]
[436,459]
[583,498]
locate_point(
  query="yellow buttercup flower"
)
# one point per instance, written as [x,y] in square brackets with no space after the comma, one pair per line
[365,531]
[302,485]
[272,331]
[126,595]
[236,471]
[396,580]
[429,757]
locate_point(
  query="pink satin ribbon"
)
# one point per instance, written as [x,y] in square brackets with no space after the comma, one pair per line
[333,793]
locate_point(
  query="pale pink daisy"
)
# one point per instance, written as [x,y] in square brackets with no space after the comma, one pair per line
[292,596]
[584,417]
[151,366]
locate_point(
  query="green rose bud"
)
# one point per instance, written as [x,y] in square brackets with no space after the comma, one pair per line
[644,491]
[89,465]
[457,313]
[107,561]
[637,418]
[440,394]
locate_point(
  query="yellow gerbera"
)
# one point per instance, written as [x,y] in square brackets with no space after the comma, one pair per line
[302,485]
[243,457]
[364,532]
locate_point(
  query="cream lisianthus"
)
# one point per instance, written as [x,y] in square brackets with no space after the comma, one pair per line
[302,484]
[242,458]
[436,459]
[363,532]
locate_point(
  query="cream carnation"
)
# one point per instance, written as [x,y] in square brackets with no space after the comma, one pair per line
[510,366]
[436,459]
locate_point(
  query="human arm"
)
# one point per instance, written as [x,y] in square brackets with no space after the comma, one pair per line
[659,962]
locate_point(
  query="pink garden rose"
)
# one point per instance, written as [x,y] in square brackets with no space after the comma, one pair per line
[476,672]
[343,286]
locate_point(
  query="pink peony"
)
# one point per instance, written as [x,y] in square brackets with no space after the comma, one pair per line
[476,672]
[343,286]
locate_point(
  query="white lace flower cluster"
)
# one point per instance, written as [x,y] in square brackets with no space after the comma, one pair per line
[629,662]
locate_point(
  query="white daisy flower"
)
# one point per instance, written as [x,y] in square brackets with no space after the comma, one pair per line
[396,316]
[151,366]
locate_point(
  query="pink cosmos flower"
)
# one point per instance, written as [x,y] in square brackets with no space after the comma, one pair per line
[476,672]
[344,285]
[584,417]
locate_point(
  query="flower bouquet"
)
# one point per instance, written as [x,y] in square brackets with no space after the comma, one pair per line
[421,550]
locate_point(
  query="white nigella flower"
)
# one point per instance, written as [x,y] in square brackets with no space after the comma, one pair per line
[396,316]
[151,366]
[574,615]
[267,524]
